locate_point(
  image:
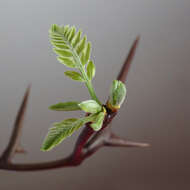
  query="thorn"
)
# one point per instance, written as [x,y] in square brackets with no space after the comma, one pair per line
[120,142]
[126,66]
[17,129]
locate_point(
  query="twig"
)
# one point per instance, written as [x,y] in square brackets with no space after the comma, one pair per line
[88,141]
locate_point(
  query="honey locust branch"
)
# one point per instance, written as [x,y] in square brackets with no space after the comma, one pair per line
[88,141]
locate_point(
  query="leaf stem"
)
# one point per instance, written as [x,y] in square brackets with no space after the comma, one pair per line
[90,88]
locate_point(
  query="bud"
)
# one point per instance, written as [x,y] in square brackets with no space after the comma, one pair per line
[117,95]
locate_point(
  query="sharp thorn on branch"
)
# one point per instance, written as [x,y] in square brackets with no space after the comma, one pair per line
[122,76]
[116,141]
[17,129]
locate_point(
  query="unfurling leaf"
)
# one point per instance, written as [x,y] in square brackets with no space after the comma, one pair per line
[91,70]
[65,106]
[74,75]
[59,132]
[97,124]
[90,106]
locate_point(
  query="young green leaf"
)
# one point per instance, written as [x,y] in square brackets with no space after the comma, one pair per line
[64,129]
[76,38]
[82,59]
[68,33]
[58,133]
[65,122]
[65,29]
[69,62]
[63,52]
[81,45]
[69,44]
[59,45]
[87,52]
[65,106]
[91,70]
[74,75]
[53,28]
[90,106]
[97,124]
[72,34]
[56,40]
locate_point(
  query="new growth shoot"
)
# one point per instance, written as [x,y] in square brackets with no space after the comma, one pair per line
[74,51]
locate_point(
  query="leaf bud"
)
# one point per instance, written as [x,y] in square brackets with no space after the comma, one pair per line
[117,95]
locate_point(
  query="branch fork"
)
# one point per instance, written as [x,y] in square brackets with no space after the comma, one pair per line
[88,141]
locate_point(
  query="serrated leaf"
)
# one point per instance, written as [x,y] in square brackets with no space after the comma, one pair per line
[65,106]
[90,106]
[98,121]
[64,129]
[69,62]
[62,52]
[58,133]
[91,70]
[74,75]
[81,45]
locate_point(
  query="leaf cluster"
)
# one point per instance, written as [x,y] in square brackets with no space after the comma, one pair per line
[67,127]
[74,51]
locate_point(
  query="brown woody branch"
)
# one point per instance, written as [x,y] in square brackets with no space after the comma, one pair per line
[88,141]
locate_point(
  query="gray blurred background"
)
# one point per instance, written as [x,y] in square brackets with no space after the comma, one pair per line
[157,110]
